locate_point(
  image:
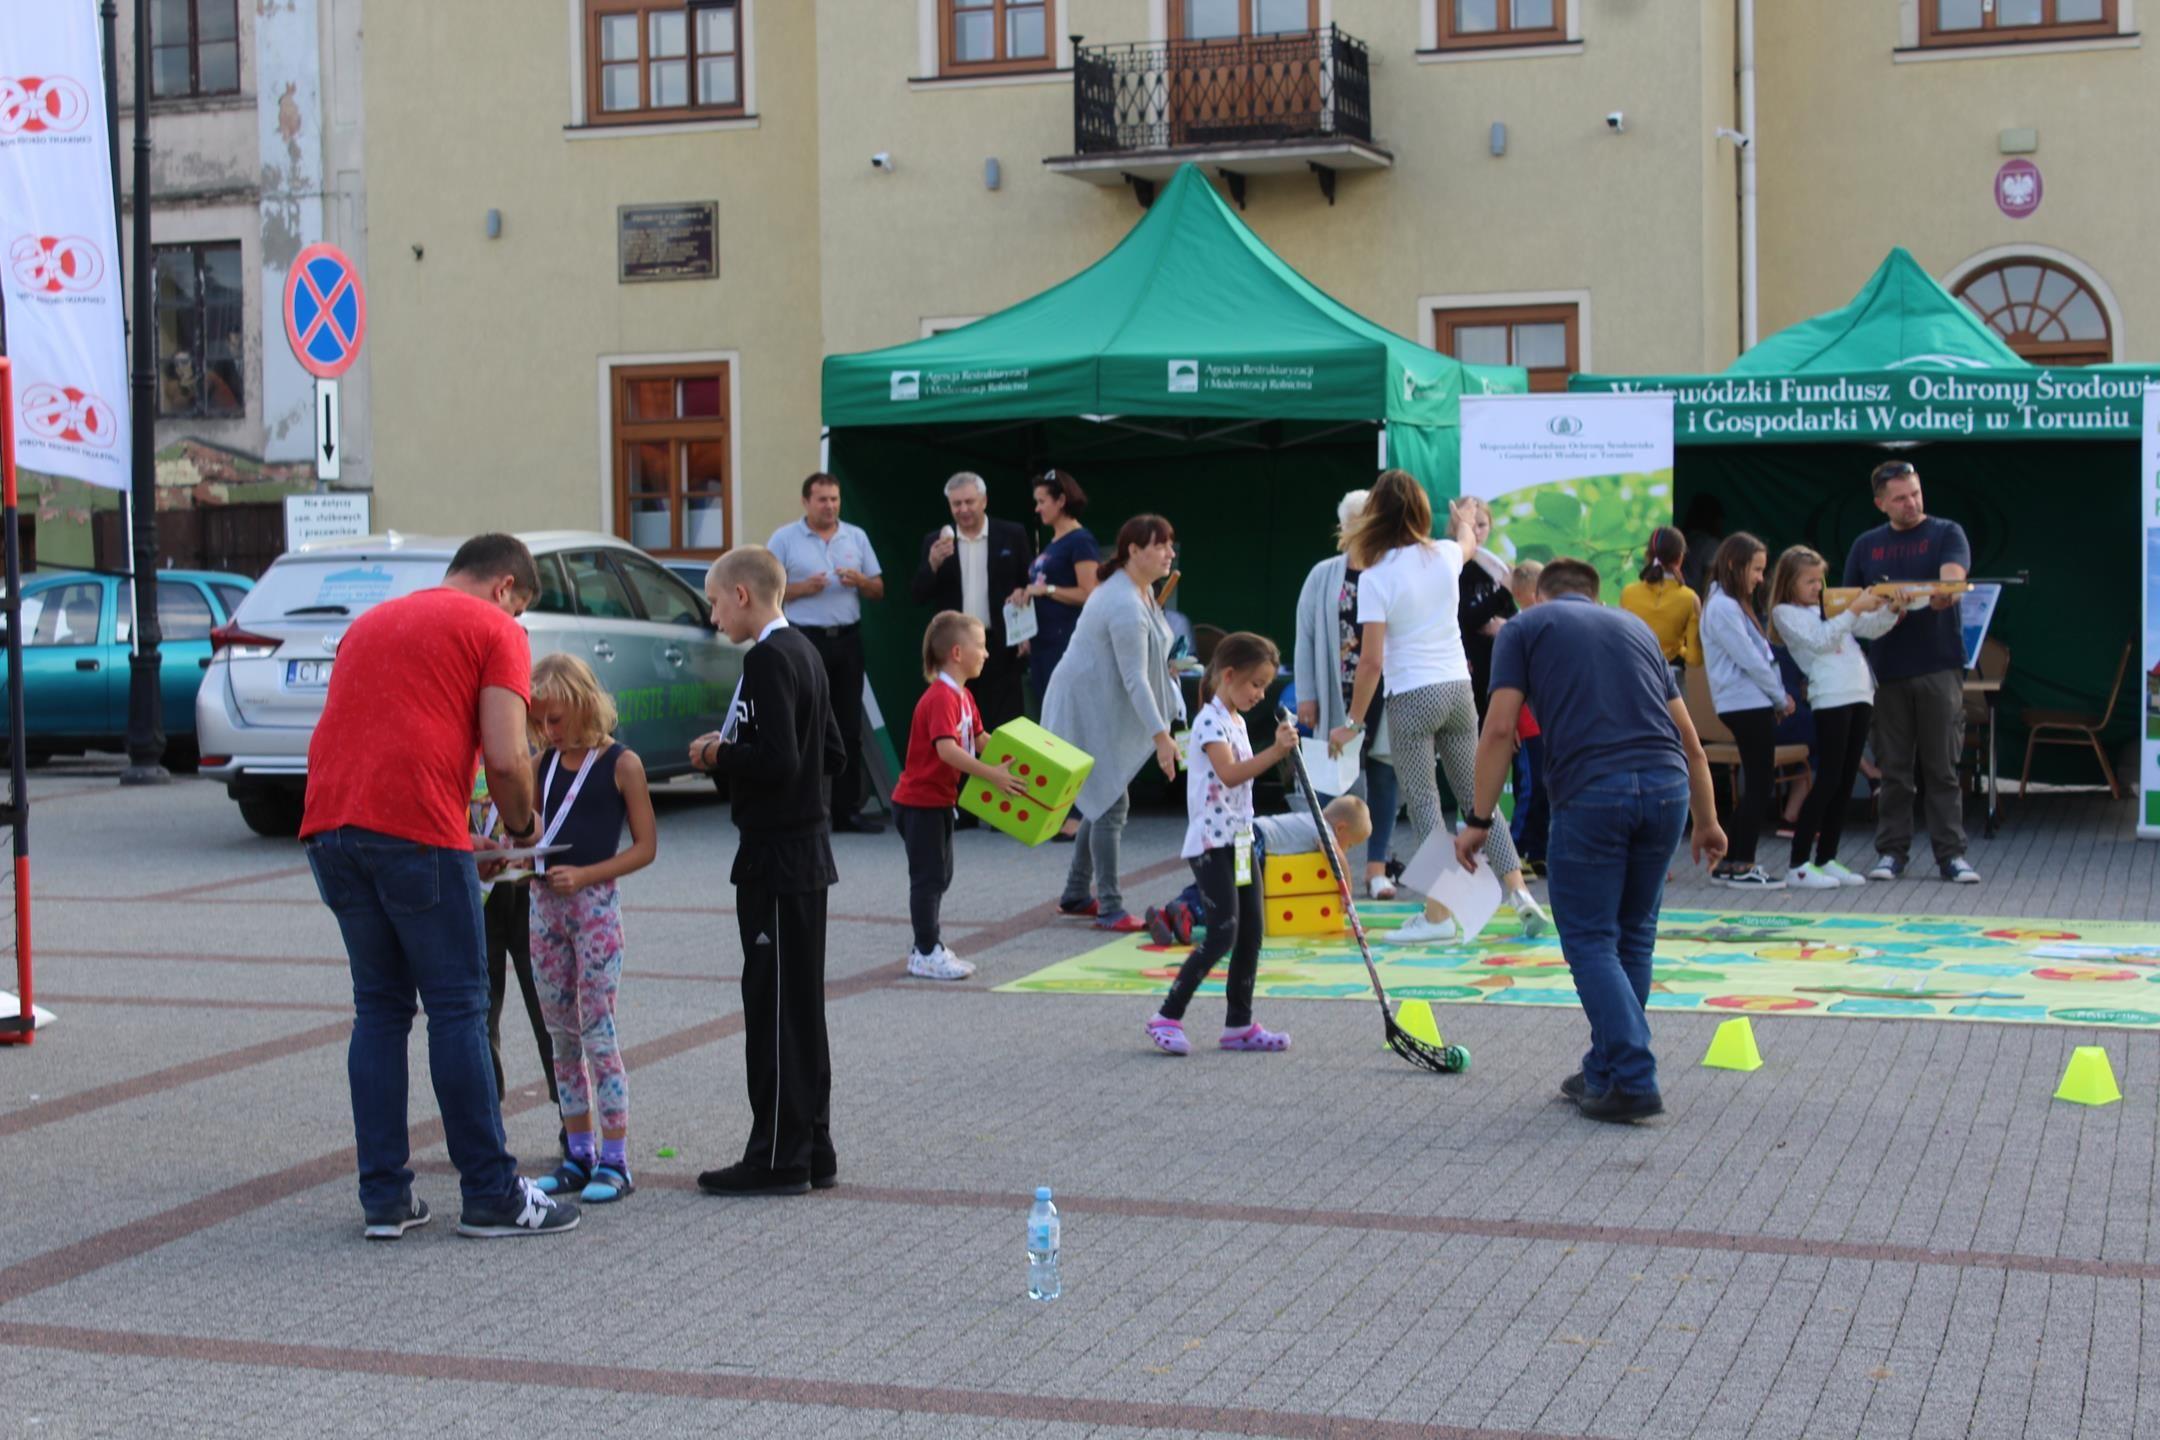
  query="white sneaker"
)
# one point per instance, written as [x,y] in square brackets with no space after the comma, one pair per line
[1812,877]
[1380,888]
[1420,929]
[940,964]
[1837,871]
[1535,922]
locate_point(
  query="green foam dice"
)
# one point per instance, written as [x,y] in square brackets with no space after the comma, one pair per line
[1054,769]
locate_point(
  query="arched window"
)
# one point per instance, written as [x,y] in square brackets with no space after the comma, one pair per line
[2042,310]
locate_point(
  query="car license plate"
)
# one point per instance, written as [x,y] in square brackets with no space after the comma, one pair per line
[307,674]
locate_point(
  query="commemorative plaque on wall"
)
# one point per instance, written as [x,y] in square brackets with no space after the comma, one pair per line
[667,242]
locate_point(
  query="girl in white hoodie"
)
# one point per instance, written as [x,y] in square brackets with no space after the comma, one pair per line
[1841,690]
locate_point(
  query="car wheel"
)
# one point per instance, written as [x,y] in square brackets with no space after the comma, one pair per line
[274,815]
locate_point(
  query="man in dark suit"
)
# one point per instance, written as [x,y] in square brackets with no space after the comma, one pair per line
[978,565]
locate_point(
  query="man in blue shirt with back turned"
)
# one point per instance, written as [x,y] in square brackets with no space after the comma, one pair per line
[1623,768]
[1919,676]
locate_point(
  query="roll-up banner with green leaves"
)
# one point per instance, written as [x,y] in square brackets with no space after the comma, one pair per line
[1580,474]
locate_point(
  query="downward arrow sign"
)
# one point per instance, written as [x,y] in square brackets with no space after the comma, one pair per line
[326,429]
[329,435]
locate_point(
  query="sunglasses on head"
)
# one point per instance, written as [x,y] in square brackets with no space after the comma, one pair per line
[1896,470]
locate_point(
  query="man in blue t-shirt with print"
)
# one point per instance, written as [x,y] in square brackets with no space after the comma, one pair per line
[1623,768]
[1919,676]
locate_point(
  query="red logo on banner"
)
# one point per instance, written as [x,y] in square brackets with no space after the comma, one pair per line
[35,105]
[62,412]
[56,264]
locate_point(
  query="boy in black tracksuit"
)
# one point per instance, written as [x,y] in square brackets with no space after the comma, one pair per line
[777,746]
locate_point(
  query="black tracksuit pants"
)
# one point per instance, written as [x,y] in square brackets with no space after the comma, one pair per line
[507,912]
[784,1043]
[927,831]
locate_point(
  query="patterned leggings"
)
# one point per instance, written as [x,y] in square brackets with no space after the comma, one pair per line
[577,962]
[1442,716]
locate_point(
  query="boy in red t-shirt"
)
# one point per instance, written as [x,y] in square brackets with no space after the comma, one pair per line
[943,739]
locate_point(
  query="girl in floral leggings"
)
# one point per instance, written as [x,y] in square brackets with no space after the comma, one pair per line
[589,787]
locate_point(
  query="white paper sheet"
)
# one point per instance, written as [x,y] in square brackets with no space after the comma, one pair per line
[1331,774]
[1471,896]
[1020,624]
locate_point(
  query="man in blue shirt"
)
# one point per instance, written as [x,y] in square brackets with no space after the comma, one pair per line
[1919,676]
[1623,768]
[831,570]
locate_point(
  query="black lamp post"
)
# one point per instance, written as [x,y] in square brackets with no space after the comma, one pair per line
[146,710]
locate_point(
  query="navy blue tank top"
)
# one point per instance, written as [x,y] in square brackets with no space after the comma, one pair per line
[593,829]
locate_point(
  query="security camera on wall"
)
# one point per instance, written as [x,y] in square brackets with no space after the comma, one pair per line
[1616,121]
[882,161]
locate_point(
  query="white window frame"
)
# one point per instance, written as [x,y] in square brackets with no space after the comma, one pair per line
[2109,305]
[580,126]
[1909,50]
[1158,19]
[1430,305]
[927,76]
[1430,53]
[939,324]
[606,458]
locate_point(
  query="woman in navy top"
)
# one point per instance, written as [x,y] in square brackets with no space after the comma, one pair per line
[1063,575]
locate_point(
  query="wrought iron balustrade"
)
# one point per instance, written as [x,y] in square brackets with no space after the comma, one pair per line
[1185,94]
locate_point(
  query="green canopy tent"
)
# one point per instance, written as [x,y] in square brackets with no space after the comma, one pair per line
[1189,372]
[2039,465]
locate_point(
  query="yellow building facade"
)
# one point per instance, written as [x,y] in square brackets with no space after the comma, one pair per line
[611,240]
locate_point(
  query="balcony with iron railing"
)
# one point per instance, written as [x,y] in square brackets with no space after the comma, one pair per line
[1244,105]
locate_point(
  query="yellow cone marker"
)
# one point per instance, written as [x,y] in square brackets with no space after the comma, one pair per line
[1733,1047]
[2089,1079]
[1416,1017]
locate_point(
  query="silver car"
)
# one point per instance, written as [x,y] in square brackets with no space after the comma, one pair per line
[646,632]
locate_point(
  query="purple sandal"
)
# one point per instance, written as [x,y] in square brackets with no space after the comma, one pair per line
[1168,1036]
[1252,1037]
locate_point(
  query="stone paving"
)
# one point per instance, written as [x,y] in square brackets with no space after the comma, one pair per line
[1889,1230]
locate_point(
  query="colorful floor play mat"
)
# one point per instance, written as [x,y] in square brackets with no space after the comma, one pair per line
[1903,966]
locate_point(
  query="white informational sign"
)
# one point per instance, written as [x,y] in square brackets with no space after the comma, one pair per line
[1332,775]
[327,436]
[58,266]
[1020,624]
[1587,475]
[2149,691]
[311,518]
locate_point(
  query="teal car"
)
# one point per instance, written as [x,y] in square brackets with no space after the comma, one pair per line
[76,634]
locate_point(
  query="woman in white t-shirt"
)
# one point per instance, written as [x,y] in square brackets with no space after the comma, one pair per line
[1407,607]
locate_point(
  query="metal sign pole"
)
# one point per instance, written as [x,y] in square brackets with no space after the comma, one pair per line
[146,710]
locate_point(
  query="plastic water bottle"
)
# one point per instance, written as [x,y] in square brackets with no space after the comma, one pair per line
[1043,1281]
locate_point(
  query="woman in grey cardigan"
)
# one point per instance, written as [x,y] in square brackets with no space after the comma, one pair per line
[1324,664]
[1113,696]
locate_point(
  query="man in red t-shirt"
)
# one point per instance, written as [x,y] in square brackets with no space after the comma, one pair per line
[420,684]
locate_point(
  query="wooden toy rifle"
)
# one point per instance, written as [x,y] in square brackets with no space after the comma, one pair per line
[1836,600]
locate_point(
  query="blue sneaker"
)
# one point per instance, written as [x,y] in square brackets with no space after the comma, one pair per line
[569,1178]
[609,1183]
[1888,867]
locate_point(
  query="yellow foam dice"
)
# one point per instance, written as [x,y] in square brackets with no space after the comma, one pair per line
[1054,769]
[1303,914]
[1305,874]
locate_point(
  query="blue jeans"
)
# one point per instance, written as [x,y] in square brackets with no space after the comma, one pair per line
[1381,799]
[1606,859]
[411,918]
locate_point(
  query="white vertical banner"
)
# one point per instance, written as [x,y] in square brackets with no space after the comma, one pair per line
[1587,475]
[2149,732]
[66,330]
